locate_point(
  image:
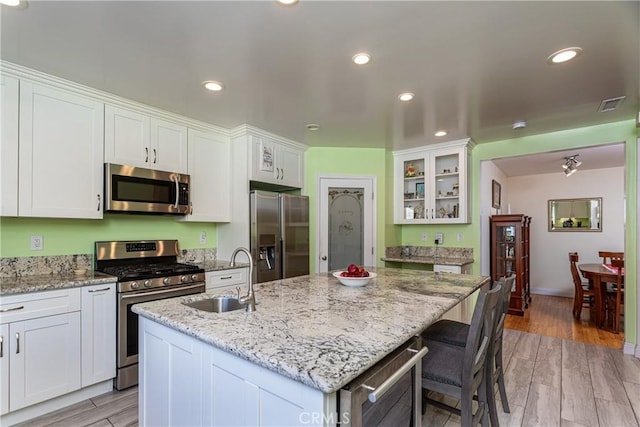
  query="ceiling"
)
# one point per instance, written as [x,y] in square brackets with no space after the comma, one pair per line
[474,66]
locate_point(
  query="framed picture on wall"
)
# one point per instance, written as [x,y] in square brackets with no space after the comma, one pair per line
[495,194]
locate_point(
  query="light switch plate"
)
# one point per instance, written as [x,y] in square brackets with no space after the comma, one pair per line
[425,236]
[439,238]
[203,238]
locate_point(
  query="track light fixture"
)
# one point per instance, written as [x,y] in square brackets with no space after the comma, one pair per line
[571,164]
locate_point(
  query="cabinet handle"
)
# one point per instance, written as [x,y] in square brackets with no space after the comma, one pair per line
[155,156]
[226,277]
[17,342]
[277,173]
[99,290]
[324,258]
[4,310]
[282,174]
[146,154]
[98,208]
[378,392]
[190,208]
[1,346]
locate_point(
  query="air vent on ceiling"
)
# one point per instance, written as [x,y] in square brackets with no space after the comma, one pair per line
[610,104]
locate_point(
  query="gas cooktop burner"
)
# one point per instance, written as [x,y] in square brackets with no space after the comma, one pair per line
[148,271]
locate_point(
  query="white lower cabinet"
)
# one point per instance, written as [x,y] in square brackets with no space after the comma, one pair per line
[456,269]
[98,333]
[44,359]
[184,381]
[53,343]
[4,369]
[229,277]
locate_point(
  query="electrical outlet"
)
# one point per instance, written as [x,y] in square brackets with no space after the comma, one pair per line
[460,237]
[439,238]
[203,238]
[37,243]
[425,236]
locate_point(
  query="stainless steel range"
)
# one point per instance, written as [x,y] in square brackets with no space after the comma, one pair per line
[147,271]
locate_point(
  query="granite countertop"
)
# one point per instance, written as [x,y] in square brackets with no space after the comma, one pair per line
[315,330]
[47,282]
[217,265]
[430,260]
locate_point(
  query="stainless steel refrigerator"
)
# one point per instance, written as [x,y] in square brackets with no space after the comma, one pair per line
[279,235]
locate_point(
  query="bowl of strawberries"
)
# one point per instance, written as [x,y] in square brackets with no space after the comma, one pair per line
[354,276]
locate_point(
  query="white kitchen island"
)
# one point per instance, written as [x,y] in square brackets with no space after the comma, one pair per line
[284,363]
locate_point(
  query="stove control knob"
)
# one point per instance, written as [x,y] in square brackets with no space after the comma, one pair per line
[147,283]
[166,281]
[194,277]
[184,279]
[134,285]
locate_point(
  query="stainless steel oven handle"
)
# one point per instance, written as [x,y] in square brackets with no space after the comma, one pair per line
[378,392]
[165,291]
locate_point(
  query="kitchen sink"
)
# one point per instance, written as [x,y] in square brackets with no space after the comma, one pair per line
[217,304]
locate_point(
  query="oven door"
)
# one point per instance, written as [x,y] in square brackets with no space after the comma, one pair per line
[128,320]
[389,393]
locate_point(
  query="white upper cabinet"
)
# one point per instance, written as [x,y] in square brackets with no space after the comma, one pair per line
[9,146]
[276,162]
[431,184]
[138,139]
[210,177]
[60,153]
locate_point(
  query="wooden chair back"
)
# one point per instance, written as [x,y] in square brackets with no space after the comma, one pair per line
[577,281]
[607,256]
[617,309]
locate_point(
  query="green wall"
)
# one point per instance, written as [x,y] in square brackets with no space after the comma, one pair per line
[346,162]
[77,236]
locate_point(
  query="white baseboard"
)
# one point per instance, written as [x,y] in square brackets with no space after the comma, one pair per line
[56,403]
[552,292]
[632,349]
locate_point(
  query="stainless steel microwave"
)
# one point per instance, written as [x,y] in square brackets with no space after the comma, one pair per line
[140,190]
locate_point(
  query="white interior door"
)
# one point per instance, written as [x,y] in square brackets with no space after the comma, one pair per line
[346,221]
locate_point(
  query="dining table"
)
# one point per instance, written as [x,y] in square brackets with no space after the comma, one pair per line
[599,276]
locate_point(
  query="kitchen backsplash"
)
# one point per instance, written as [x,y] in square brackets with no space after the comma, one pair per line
[427,251]
[60,264]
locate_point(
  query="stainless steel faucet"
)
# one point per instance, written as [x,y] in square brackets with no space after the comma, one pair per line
[250,298]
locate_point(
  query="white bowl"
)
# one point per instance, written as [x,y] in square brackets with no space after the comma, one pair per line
[353,281]
[80,271]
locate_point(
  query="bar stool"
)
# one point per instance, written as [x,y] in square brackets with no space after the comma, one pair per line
[461,372]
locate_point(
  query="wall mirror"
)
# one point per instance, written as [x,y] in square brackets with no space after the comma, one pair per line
[575,214]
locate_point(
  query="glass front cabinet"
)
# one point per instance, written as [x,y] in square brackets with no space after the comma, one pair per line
[431,184]
[510,255]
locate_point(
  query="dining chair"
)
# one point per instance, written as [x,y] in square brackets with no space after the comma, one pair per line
[461,371]
[455,333]
[607,256]
[584,296]
[615,297]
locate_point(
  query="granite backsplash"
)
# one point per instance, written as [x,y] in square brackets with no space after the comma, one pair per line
[60,264]
[427,251]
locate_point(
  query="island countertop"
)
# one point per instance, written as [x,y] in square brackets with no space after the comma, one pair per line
[315,330]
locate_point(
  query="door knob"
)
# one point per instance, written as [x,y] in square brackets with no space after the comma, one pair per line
[324,258]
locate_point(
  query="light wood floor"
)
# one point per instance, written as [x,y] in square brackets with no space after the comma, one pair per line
[554,375]
[552,316]
[556,382]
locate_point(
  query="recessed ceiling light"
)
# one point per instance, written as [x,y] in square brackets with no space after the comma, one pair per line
[407,96]
[361,58]
[213,85]
[12,3]
[313,126]
[564,55]
[287,2]
[440,133]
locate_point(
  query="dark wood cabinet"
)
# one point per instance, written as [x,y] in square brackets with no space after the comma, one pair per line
[510,255]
